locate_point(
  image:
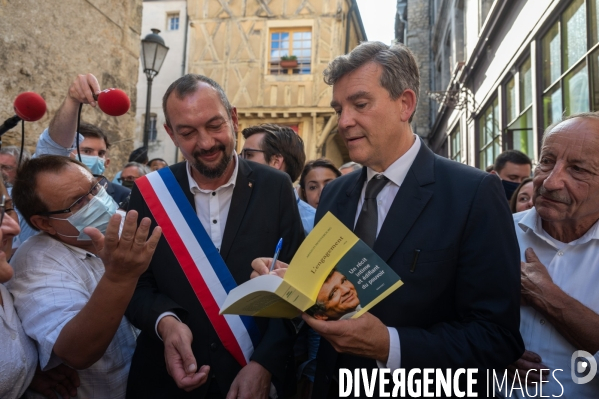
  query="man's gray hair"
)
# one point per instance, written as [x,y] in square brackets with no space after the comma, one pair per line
[400,71]
[353,165]
[143,169]
[550,129]
[16,152]
[187,85]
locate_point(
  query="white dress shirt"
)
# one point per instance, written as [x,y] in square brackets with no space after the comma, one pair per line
[53,281]
[18,356]
[212,208]
[574,267]
[396,173]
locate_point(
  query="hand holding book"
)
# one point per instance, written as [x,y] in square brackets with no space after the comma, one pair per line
[333,275]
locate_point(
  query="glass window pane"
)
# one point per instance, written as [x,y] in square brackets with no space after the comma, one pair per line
[285,44]
[489,135]
[523,134]
[574,28]
[285,36]
[594,57]
[523,141]
[576,90]
[495,120]
[551,56]
[275,45]
[525,85]
[455,144]
[594,18]
[496,149]
[489,127]
[275,36]
[297,35]
[510,91]
[489,157]
[307,36]
[552,105]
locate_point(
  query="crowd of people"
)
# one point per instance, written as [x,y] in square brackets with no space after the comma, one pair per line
[114,287]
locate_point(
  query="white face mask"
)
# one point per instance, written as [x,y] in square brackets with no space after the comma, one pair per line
[94,163]
[96,213]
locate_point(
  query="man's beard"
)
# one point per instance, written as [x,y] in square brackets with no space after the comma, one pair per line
[219,169]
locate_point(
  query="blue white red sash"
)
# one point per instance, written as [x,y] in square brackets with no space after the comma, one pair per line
[201,262]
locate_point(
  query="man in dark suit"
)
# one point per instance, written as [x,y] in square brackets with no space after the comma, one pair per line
[442,226]
[245,208]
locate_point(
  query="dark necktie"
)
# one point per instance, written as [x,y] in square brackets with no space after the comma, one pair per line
[368,220]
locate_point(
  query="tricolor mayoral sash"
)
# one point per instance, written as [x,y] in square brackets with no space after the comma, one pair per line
[201,262]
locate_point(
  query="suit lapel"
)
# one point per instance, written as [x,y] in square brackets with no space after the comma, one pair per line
[412,197]
[348,203]
[239,202]
[180,172]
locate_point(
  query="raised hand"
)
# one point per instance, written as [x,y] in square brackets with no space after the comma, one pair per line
[126,257]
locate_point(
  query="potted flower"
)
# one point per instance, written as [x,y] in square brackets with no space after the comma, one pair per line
[288,61]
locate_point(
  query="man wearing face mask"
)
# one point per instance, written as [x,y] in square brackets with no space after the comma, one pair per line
[512,166]
[131,172]
[72,284]
[59,137]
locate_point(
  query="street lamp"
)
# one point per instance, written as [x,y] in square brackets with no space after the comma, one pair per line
[153,52]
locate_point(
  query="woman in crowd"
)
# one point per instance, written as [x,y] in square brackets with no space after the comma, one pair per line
[522,198]
[156,164]
[18,354]
[316,174]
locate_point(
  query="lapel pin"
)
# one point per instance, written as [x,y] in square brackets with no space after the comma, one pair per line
[250,184]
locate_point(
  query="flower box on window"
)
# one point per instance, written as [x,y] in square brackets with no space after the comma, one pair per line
[288,61]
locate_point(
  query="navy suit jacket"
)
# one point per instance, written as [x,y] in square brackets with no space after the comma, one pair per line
[262,210]
[117,192]
[459,305]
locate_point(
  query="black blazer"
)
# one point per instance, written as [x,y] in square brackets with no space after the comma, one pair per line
[262,210]
[459,306]
[117,192]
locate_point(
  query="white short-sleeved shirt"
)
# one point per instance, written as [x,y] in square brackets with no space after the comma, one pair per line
[53,281]
[18,356]
[574,267]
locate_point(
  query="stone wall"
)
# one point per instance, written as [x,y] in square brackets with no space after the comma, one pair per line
[45,44]
[419,41]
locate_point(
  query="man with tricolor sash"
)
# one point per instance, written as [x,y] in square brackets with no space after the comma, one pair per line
[218,212]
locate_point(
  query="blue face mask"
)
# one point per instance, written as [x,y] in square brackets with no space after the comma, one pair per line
[96,213]
[94,163]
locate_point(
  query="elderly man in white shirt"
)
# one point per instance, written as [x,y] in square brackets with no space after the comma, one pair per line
[559,239]
[71,284]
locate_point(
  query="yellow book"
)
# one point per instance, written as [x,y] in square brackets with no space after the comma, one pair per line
[333,275]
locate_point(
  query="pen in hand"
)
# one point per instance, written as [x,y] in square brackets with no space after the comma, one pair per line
[277,251]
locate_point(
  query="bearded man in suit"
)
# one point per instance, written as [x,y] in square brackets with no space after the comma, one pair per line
[243,209]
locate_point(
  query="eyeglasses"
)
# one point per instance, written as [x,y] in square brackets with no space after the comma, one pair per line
[3,208]
[128,178]
[246,153]
[96,189]
[7,168]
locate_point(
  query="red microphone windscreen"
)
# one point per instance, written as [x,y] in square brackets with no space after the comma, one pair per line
[114,102]
[30,106]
